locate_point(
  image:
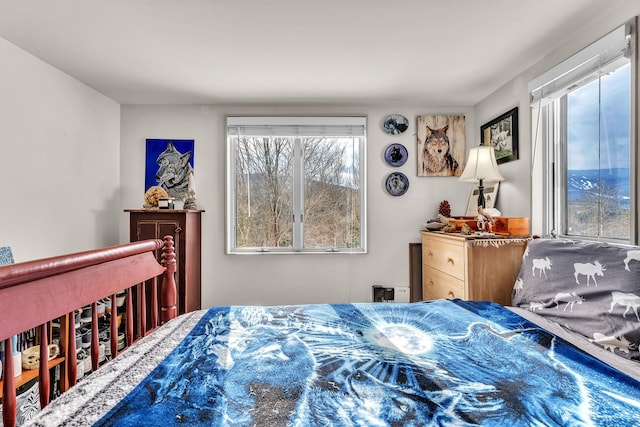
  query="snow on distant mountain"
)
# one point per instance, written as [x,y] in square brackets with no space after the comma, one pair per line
[582,182]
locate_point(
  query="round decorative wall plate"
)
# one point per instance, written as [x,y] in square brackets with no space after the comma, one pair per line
[397,184]
[396,155]
[395,124]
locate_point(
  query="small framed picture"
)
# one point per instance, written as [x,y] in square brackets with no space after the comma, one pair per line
[502,134]
[490,193]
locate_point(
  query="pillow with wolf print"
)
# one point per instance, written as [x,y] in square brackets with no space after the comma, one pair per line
[592,288]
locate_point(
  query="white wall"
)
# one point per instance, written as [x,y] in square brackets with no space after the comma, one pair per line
[60,162]
[516,190]
[393,222]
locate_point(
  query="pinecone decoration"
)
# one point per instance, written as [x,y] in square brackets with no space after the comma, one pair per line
[444,209]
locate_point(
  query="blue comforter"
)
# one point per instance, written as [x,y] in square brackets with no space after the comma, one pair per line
[434,363]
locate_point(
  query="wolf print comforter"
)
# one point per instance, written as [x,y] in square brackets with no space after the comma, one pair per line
[446,362]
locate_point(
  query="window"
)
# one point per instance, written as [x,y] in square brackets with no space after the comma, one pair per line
[296,184]
[581,116]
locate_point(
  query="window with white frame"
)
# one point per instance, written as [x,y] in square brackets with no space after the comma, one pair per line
[581,120]
[296,184]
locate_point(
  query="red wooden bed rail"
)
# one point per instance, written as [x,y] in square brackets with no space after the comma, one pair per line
[35,292]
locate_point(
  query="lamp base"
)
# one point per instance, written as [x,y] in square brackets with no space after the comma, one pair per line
[481,201]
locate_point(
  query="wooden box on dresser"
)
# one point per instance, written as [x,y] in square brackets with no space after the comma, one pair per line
[185,227]
[455,266]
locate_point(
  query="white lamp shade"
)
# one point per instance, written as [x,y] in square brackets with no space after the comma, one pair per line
[481,164]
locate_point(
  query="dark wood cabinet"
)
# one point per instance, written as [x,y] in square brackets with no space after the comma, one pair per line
[185,227]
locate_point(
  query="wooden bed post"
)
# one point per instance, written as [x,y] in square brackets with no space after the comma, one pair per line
[113,326]
[154,303]
[43,368]
[95,342]
[71,360]
[168,290]
[129,320]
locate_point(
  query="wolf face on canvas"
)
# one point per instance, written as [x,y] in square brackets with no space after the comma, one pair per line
[174,174]
[436,154]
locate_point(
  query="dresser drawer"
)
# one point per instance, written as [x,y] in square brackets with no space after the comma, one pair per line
[436,284]
[444,256]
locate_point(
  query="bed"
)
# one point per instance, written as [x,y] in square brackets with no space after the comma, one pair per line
[442,362]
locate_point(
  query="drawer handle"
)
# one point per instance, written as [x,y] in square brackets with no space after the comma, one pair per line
[430,254]
[450,294]
[451,261]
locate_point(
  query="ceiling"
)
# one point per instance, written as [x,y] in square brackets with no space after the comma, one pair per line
[438,52]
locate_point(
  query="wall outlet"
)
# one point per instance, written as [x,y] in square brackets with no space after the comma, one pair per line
[402,294]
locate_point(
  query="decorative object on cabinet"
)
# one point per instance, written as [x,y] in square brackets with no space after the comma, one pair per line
[444,208]
[395,124]
[169,164]
[481,166]
[456,266]
[185,227]
[511,226]
[167,203]
[397,184]
[434,225]
[490,193]
[466,230]
[153,195]
[502,225]
[444,211]
[441,145]
[501,133]
[396,155]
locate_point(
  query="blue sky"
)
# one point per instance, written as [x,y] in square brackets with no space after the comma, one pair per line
[584,149]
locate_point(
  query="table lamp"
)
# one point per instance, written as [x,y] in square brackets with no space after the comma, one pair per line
[481,165]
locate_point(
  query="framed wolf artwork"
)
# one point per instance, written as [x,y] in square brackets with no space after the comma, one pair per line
[441,145]
[169,164]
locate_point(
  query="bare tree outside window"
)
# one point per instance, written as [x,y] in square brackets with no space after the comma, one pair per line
[264,192]
[332,197]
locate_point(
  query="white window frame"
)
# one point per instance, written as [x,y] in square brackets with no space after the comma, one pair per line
[359,124]
[548,108]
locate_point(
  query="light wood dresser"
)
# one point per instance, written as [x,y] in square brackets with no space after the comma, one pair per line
[470,268]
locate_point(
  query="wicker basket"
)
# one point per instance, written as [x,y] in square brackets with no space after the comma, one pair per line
[31,356]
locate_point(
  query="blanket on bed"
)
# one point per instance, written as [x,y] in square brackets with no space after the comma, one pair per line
[435,363]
